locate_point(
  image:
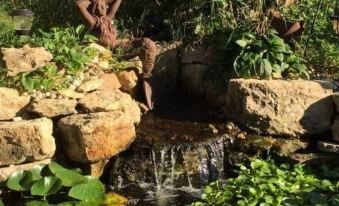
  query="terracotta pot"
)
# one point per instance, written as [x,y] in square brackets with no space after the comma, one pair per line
[287,30]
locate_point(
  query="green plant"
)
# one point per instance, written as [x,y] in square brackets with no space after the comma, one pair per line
[65,46]
[6,24]
[53,184]
[45,79]
[266,56]
[265,183]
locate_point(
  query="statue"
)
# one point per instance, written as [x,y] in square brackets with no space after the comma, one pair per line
[98,16]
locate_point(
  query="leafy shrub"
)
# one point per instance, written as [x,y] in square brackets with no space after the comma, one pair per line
[267,55]
[57,185]
[6,24]
[65,45]
[265,183]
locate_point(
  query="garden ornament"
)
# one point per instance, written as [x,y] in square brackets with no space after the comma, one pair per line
[98,16]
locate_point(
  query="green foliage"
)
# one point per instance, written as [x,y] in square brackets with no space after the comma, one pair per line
[65,46]
[265,183]
[266,56]
[323,48]
[53,179]
[6,24]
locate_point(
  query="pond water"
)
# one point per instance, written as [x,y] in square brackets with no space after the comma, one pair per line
[176,153]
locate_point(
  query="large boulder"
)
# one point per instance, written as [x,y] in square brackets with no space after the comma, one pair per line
[88,138]
[279,107]
[106,101]
[26,141]
[25,59]
[11,102]
[336,101]
[52,107]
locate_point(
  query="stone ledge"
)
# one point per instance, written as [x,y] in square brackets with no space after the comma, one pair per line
[6,172]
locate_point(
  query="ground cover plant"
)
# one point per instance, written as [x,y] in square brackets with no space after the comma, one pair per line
[55,185]
[265,183]
[71,55]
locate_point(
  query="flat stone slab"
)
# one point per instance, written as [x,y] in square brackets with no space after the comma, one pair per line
[330,147]
[6,172]
[53,107]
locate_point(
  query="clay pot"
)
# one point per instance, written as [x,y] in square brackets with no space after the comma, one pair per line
[287,30]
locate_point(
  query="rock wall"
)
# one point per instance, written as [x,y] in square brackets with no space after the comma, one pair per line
[273,107]
[88,130]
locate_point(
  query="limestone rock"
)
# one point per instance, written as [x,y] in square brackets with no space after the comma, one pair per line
[71,94]
[110,82]
[52,107]
[106,101]
[336,101]
[88,138]
[26,141]
[103,57]
[279,107]
[11,103]
[96,169]
[128,81]
[6,172]
[135,63]
[26,59]
[90,85]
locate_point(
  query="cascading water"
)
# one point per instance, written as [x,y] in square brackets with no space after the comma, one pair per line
[170,165]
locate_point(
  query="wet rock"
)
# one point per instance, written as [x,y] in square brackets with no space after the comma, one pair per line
[11,102]
[197,55]
[26,59]
[315,159]
[90,85]
[52,107]
[336,101]
[106,101]
[191,79]
[165,73]
[89,138]
[6,172]
[286,147]
[279,107]
[128,81]
[26,141]
[110,82]
[330,147]
[335,129]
